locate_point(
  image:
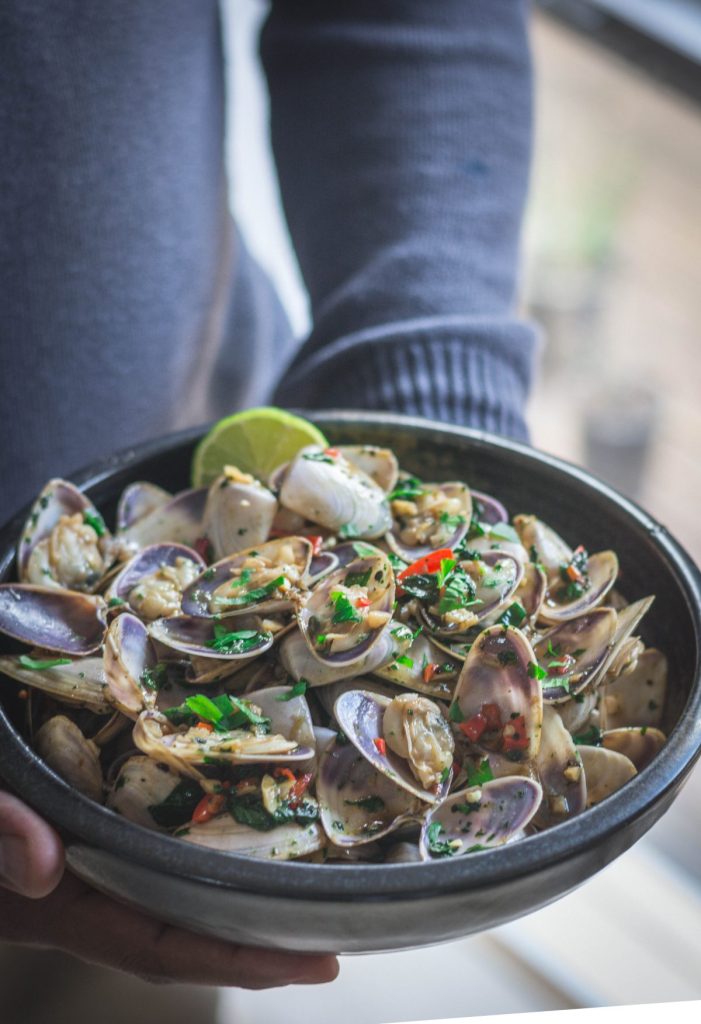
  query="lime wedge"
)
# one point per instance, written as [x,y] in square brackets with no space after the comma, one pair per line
[256,441]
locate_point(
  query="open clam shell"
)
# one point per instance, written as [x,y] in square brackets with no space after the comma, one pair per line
[140,784]
[76,759]
[289,716]
[574,653]
[438,519]
[606,771]
[638,697]
[424,668]
[357,803]
[360,715]
[54,620]
[58,498]
[241,583]
[239,513]
[488,509]
[328,489]
[497,671]
[286,842]
[348,611]
[203,637]
[139,499]
[479,818]
[531,590]
[328,695]
[496,577]
[380,464]
[129,663]
[152,582]
[543,544]
[602,571]
[80,683]
[560,773]
[640,745]
[299,661]
[178,521]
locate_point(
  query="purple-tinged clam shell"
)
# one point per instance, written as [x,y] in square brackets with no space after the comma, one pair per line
[436,528]
[574,653]
[198,636]
[223,591]
[360,715]
[531,590]
[58,498]
[488,509]
[146,566]
[480,817]
[138,500]
[498,671]
[338,630]
[602,571]
[358,803]
[179,521]
[496,576]
[411,670]
[299,661]
[640,745]
[560,773]
[54,620]
[129,661]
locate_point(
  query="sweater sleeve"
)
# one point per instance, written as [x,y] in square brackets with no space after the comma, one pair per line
[402,131]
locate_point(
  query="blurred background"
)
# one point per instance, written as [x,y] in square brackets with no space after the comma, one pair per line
[612,273]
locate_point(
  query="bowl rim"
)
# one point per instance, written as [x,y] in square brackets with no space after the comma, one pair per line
[94,824]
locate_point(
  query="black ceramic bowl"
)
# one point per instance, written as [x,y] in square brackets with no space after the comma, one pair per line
[364,908]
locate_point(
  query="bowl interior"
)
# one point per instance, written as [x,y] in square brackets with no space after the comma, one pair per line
[582,509]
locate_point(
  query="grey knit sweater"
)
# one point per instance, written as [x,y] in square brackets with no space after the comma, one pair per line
[130,307]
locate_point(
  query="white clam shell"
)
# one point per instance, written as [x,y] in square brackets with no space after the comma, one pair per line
[76,759]
[606,771]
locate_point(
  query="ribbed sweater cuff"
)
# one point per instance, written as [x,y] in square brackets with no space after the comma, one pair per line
[462,370]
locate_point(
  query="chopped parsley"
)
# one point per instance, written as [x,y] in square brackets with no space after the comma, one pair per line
[405,660]
[454,713]
[178,806]
[248,809]
[225,713]
[318,457]
[408,489]
[438,847]
[483,773]
[344,609]
[115,602]
[357,579]
[257,594]
[367,803]
[153,678]
[591,737]
[452,521]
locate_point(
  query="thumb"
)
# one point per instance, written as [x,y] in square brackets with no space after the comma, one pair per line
[31,854]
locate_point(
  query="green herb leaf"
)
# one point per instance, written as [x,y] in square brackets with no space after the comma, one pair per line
[483,773]
[367,803]
[504,531]
[318,457]
[454,713]
[535,671]
[405,660]
[357,579]
[451,521]
[94,519]
[178,806]
[591,737]
[513,616]
[239,642]
[115,602]
[408,489]
[437,846]
[38,665]
[153,678]
[298,690]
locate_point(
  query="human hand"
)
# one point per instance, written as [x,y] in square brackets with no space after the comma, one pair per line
[43,906]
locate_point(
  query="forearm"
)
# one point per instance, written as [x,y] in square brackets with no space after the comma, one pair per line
[402,136]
